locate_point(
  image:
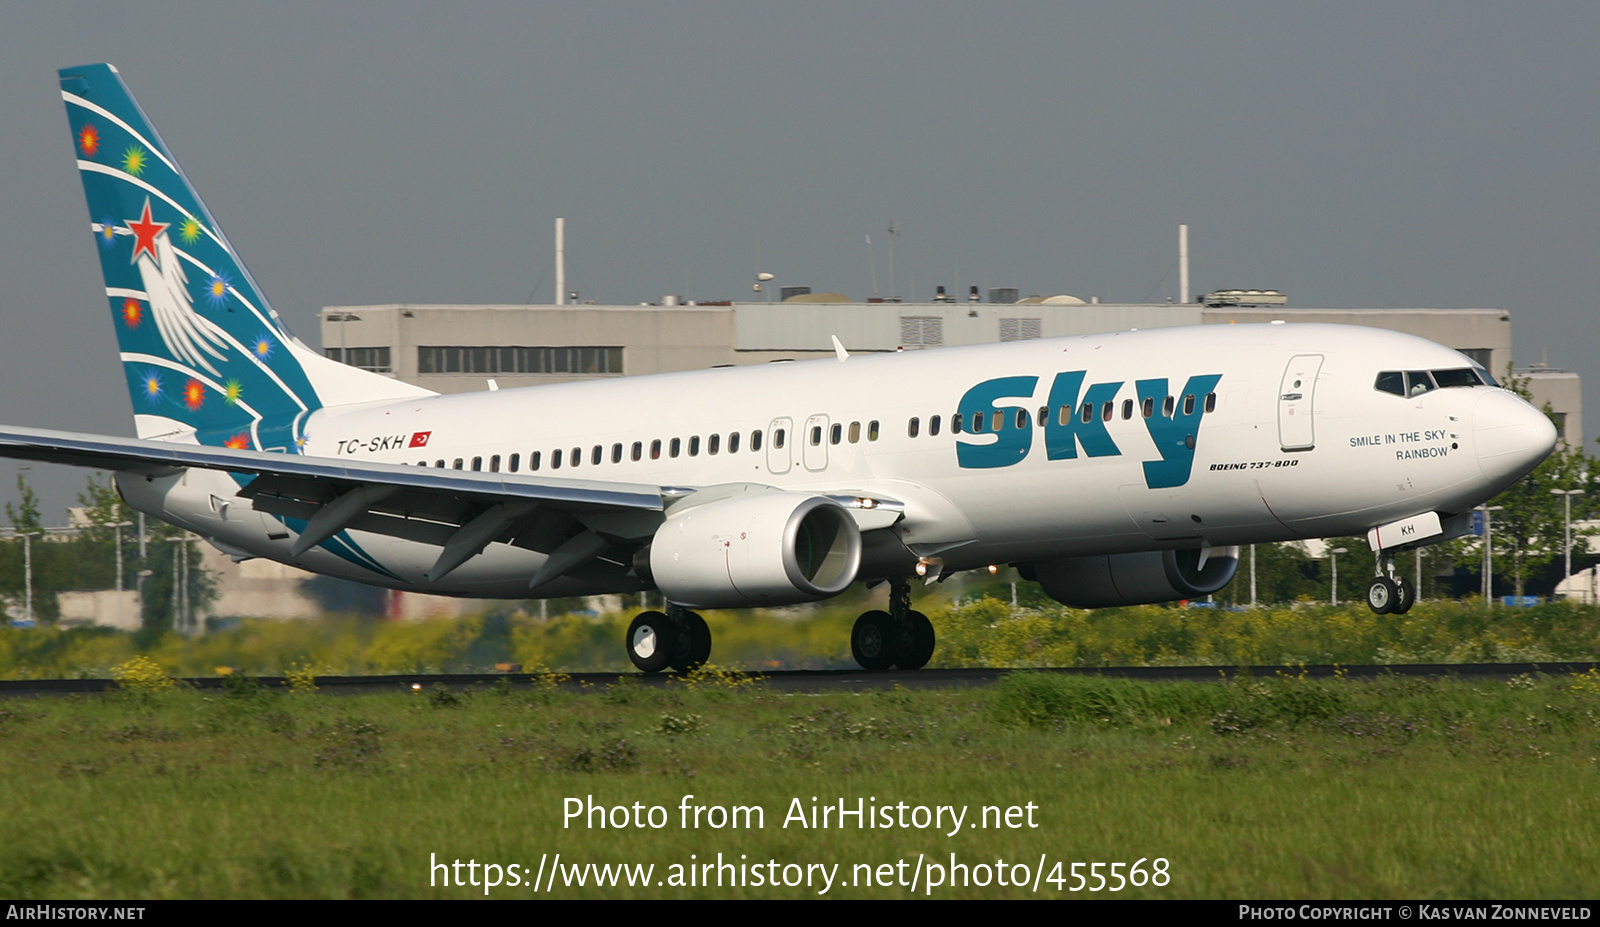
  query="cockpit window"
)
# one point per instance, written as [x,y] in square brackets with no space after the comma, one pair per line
[1461,376]
[1417,382]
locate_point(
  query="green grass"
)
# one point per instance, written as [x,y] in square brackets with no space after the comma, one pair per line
[972,632]
[1268,788]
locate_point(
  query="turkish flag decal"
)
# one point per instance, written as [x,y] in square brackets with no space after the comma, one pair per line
[420,439]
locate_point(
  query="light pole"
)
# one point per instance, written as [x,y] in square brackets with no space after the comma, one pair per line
[1566,526]
[1488,552]
[1252,576]
[1336,552]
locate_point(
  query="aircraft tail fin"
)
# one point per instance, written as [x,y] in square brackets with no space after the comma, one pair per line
[203,352]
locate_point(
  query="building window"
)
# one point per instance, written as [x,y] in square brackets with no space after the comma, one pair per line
[507,359]
[373,359]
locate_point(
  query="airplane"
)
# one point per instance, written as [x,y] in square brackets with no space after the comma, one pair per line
[1118,468]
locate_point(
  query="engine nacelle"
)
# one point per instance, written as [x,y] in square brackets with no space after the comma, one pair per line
[767,548]
[1135,579]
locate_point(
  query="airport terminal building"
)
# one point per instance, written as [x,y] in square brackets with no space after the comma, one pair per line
[460,348]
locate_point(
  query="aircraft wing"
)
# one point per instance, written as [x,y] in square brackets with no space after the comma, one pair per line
[104,452]
[461,511]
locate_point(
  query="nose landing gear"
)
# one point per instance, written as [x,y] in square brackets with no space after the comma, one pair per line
[1389,593]
[898,637]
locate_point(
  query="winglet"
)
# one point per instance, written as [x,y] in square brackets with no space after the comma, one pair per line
[839,350]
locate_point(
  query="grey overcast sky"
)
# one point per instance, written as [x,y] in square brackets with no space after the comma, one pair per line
[1351,154]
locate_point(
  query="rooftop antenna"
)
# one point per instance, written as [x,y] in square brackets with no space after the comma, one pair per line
[561,262]
[872,266]
[1183,263]
[893,234]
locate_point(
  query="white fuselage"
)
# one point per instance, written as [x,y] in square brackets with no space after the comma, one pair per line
[1273,458]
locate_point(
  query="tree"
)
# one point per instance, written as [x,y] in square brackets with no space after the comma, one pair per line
[1284,572]
[1528,528]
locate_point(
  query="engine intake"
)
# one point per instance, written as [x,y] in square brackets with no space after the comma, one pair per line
[1135,579]
[770,548]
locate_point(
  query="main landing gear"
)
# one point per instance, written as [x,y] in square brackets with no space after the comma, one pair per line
[1389,593]
[679,639]
[898,637]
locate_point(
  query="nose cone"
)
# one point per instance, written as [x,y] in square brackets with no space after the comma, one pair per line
[1511,437]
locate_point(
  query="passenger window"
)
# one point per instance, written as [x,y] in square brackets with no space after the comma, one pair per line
[1044,416]
[1022,418]
[836,433]
[913,427]
[777,439]
[998,422]
[655,449]
[713,444]
[515,462]
[674,447]
[494,464]
[596,454]
[457,464]
[1106,410]
[477,463]
[816,435]
[733,442]
[1167,406]
[1188,404]
[977,423]
[1086,414]
[933,426]
[1148,408]
[533,461]
[694,446]
[755,441]
[1211,402]
[575,458]
[1127,409]
[439,464]
[555,459]
[855,432]
[872,431]
[1064,415]
[955,424]
[638,450]
[616,453]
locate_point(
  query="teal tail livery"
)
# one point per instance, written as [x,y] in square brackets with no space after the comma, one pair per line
[1118,468]
[205,356]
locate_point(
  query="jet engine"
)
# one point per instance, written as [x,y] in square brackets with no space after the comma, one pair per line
[1134,579]
[769,548]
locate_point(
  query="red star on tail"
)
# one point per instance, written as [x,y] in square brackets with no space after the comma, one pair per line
[144,233]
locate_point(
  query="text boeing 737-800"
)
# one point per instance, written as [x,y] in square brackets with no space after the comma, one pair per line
[1112,469]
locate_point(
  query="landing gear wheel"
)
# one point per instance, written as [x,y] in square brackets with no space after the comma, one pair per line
[872,641]
[1383,595]
[916,642]
[651,637]
[1407,598]
[699,649]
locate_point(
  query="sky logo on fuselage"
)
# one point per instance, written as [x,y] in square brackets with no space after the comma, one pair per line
[1076,420]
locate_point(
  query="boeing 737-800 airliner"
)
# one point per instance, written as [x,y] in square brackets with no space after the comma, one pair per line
[1112,469]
